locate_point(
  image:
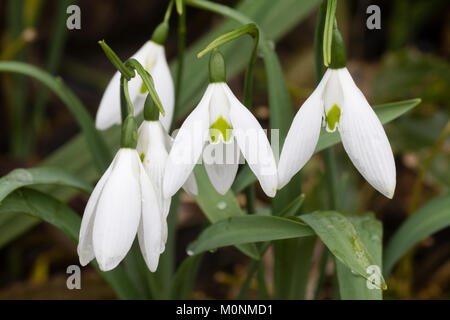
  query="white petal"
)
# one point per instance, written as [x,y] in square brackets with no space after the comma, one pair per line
[187,147]
[253,144]
[303,135]
[190,186]
[85,247]
[364,138]
[152,143]
[150,232]
[118,211]
[165,88]
[108,112]
[221,161]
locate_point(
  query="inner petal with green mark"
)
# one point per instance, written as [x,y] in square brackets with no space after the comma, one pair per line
[218,128]
[332,117]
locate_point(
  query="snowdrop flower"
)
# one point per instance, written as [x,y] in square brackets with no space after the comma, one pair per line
[220,125]
[339,104]
[153,147]
[153,58]
[123,203]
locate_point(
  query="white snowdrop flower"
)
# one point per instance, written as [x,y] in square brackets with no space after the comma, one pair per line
[152,57]
[339,104]
[124,203]
[219,128]
[153,147]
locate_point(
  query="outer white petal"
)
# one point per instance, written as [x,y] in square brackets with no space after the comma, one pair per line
[190,186]
[253,144]
[108,112]
[152,143]
[303,135]
[118,211]
[151,225]
[164,87]
[187,147]
[85,247]
[155,62]
[221,161]
[364,138]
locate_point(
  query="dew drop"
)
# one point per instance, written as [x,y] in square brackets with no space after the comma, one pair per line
[221,205]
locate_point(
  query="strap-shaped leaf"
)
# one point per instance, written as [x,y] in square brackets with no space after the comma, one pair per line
[354,287]
[432,217]
[44,175]
[248,229]
[340,236]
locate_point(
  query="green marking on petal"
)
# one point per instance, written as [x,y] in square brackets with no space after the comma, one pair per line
[333,117]
[220,127]
[142,156]
[143,88]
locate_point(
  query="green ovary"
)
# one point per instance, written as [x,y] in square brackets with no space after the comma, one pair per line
[220,127]
[333,117]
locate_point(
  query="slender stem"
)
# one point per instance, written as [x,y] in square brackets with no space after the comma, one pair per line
[180,55]
[248,99]
[168,11]
[330,161]
[126,107]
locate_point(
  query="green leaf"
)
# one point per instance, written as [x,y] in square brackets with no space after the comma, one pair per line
[248,229]
[44,175]
[44,207]
[219,207]
[351,286]
[293,261]
[12,225]
[292,208]
[342,239]
[184,279]
[100,152]
[432,217]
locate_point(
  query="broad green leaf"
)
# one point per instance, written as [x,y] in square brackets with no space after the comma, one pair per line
[342,239]
[432,217]
[248,229]
[44,207]
[184,279]
[351,286]
[385,112]
[44,175]
[217,207]
[100,153]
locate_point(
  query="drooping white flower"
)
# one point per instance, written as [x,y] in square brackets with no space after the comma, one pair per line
[338,103]
[153,58]
[123,203]
[222,127]
[153,147]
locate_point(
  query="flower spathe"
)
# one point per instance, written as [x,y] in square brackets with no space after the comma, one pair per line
[220,124]
[124,203]
[153,58]
[339,104]
[153,148]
